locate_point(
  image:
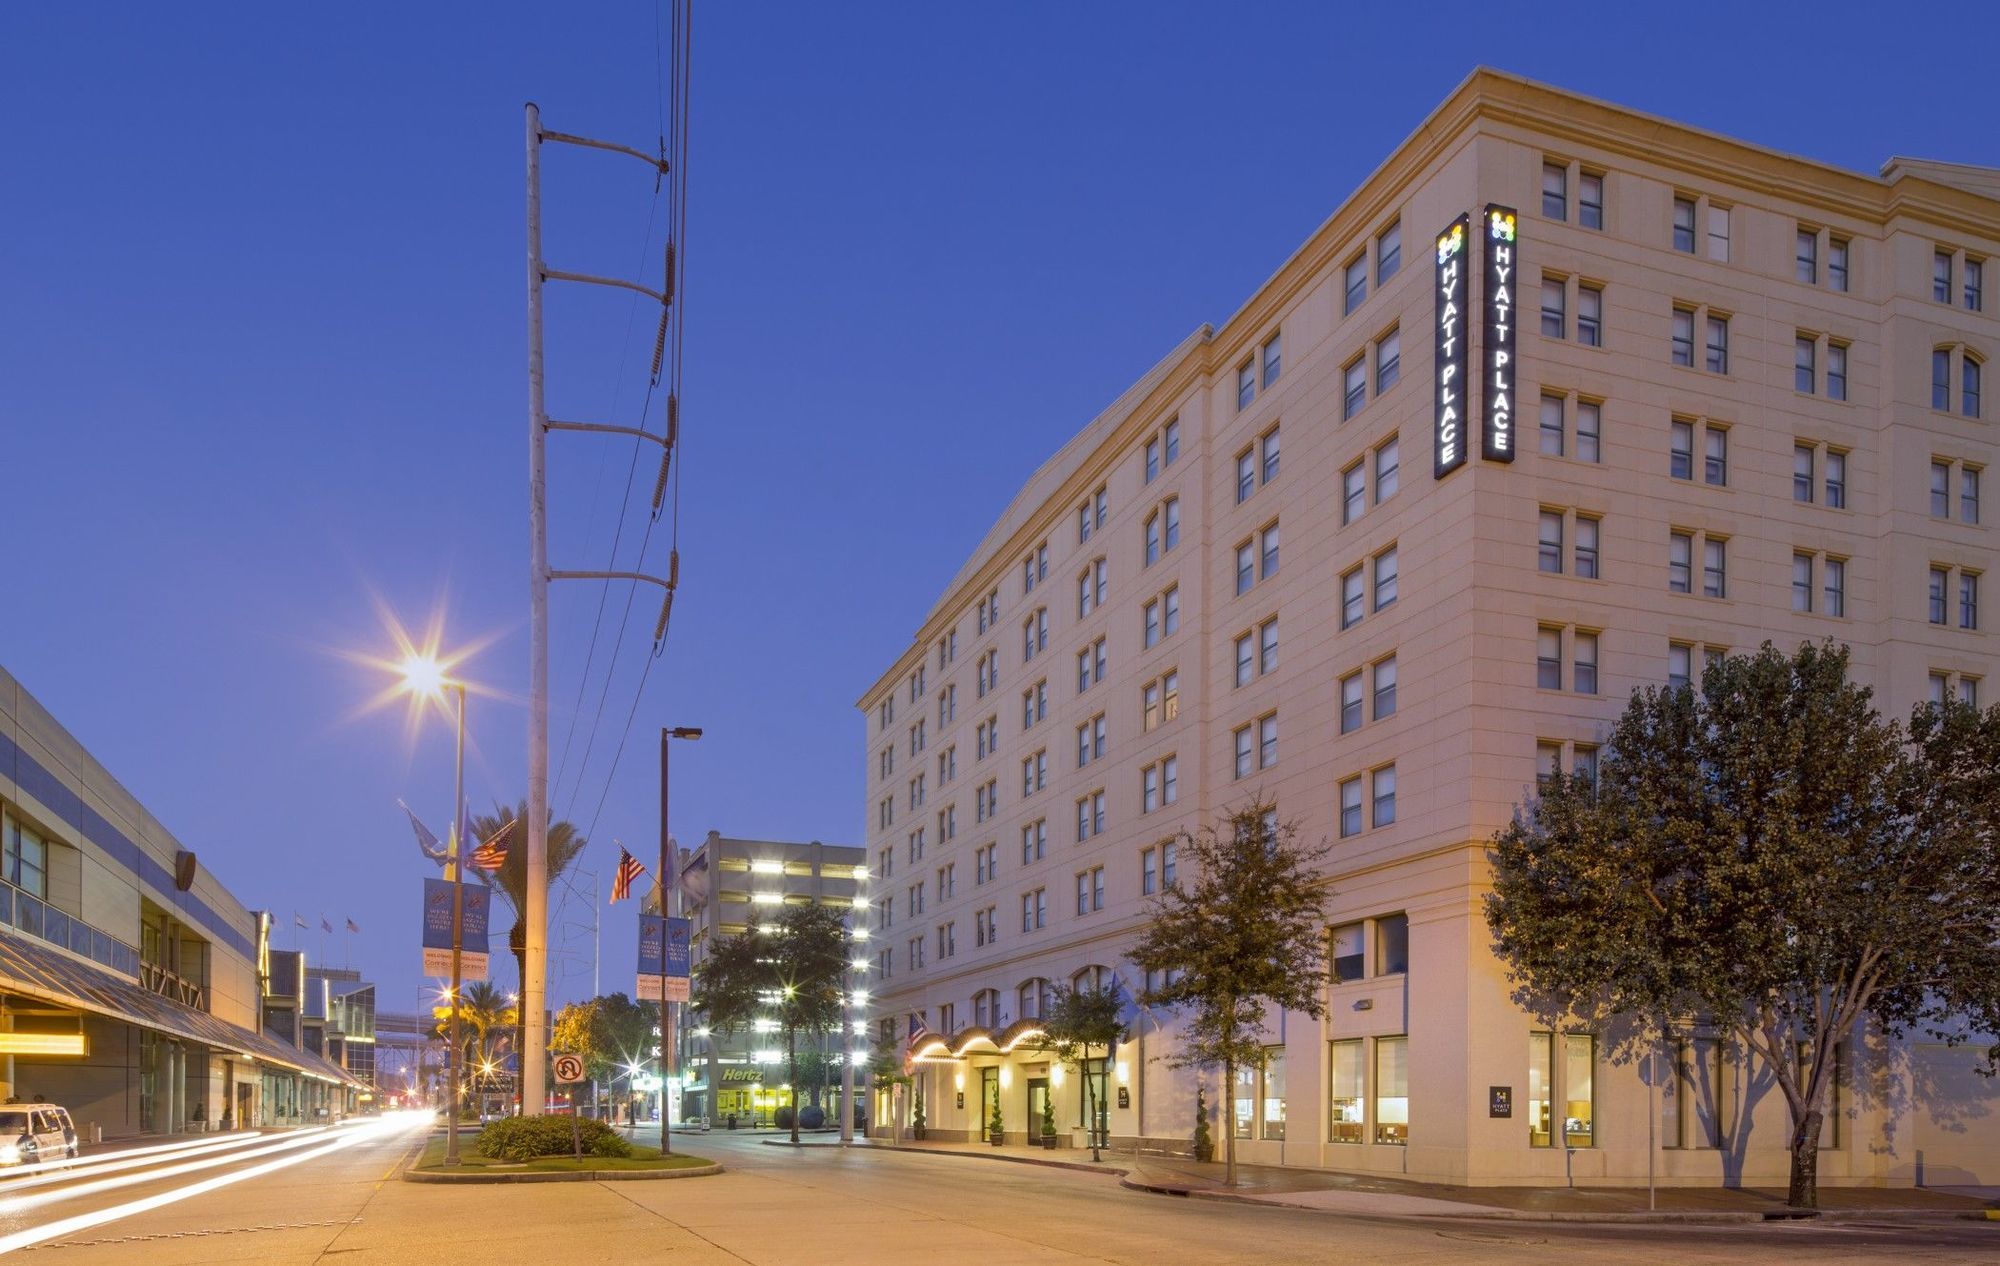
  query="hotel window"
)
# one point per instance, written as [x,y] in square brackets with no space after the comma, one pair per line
[1090,588]
[1555,191]
[1392,945]
[1034,840]
[1975,284]
[1350,703]
[1152,459]
[1683,336]
[1149,872]
[26,857]
[1350,807]
[1968,396]
[989,672]
[1941,276]
[1941,379]
[947,935]
[1553,429]
[1836,479]
[1267,646]
[1246,384]
[917,737]
[947,880]
[1714,567]
[915,899]
[1160,784]
[1837,251]
[1090,890]
[1382,792]
[1385,578]
[1171,435]
[1267,552]
[1355,387]
[1034,773]
[1346,1090]
[1805,364]
[1802,587]
[1718,344]
[1090,665]
[1246,475]
[1161,698]
[1089,816]
[1555,310]
[1680,562]
[1684,224]
[1940,587]
[1267,447]
[1271,1102]
[1352,596]
[1355,283]
[1388,360]
[1718,233]
[1035,568]
[1715,455]
[1035,634]
[1836,370]
[1589,315]
[916,791]
[1353,492]
[1833,579]
[1090,740]
[1273,356]
[1968,494]
[1246,658]
[1343,955]
[1590,200]
[1804,456]
[1034,704]
[987,736]
[1680,661]
[948,764]
[1385,688]
[1388,252]
[1570,1083]
[1163,616]
[986,800]
[1583,667]
[1968,600]
[985,863]
[1388,469]
[1965,689]
[947,706]
[1090,516]
[1586,546]
[1549,548]
[1806,257]
[985,931]
[1163,529]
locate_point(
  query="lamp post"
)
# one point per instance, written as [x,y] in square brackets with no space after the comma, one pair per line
[424,676]
[667,735]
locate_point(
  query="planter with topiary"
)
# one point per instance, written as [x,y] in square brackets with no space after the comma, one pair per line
[994,1125]
[1049,1123]
[1204,1144]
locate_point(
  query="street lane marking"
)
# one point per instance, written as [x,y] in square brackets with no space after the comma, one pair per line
[84,1221]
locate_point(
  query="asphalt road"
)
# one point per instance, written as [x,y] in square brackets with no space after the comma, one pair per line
[824,1205]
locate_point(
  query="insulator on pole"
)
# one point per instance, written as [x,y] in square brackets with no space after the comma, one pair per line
[660,484]
[667,282]
[666,609]
[673,570]
[660,346]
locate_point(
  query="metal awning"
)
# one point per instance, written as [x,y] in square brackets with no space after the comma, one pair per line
[42,971]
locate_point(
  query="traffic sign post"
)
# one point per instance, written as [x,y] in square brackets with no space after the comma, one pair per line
[568,1070]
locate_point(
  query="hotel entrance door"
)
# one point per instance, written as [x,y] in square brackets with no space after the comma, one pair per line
[1038,1100]
[989,1096]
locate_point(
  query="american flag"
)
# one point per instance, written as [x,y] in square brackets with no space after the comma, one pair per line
[492,855]
[352,926]
[629,869]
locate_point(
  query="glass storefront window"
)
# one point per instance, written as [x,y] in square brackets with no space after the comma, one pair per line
[1273,1115]
[1246,1100]
[1392,1090]
[1540,1088]
[1579,1089]
[1345,1089]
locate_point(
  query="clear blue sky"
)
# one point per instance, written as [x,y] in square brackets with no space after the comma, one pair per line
[261,351]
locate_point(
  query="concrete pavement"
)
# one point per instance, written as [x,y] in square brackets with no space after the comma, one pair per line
[782,1205]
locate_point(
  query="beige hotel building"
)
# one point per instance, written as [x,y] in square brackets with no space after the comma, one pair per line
[1754,401]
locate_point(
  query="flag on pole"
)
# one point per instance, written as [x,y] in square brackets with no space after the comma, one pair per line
[300,919]
[325,925]
[352,926]
[629,869]
[425,840]
[693,880]
[492,855]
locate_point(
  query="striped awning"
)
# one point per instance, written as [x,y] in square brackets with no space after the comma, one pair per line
[41,971]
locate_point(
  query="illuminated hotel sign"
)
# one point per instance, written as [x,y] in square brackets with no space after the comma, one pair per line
[1496,436]
[1449,425]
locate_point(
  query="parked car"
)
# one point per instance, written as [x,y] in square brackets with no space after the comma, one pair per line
[31,1132]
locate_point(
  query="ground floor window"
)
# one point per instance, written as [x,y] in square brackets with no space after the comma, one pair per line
[1346,1089]
[1562,1071]
[1392,1090]
[1245,1101]
[1096,1079]
[1271,1121]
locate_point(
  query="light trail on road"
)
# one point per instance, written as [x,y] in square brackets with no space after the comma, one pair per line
[47,1172]
[12,1206]
[329,1142]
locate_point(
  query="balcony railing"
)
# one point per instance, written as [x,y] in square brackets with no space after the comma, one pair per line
[30,914]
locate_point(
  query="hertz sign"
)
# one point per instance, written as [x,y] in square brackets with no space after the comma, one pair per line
[1496,440]
[1449,422]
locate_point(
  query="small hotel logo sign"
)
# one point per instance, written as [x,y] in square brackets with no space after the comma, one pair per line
[1449,426]
[1497,434]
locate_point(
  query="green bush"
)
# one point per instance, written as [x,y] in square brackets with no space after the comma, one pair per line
[525,1138]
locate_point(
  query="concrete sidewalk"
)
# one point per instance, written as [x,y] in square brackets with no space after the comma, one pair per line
[1379,1195]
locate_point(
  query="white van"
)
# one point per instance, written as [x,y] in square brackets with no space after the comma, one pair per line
[31,1132]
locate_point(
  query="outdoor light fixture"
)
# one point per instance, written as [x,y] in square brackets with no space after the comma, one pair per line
[1124,1072]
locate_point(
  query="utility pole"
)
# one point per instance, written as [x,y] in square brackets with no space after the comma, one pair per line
[534,983]
[667,884]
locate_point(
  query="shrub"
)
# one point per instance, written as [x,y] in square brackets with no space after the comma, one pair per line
[811,1118]
[525,1138]
[782,1118]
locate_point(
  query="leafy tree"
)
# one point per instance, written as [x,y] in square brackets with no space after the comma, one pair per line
[565,846]
[1771,857]
[792,973]
[486,1021]
[1243,930]
[1075,1023]
[611,1032]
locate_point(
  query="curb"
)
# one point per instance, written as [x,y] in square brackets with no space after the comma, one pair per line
[1087,1167]
[581,1175]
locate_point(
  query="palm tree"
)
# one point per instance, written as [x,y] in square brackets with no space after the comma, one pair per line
[486,1019]
[565,845]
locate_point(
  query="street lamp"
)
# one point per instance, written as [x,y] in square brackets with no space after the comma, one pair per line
[425,677]
[667,735]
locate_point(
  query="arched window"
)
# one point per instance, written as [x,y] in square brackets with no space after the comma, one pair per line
[1954,364]
[1032,998]
[1091,979]
[986,1008]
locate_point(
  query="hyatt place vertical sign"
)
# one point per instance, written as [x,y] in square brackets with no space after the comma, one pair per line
[1497,338]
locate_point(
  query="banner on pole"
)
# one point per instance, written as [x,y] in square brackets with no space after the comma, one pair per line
[663,955]
[472,929]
